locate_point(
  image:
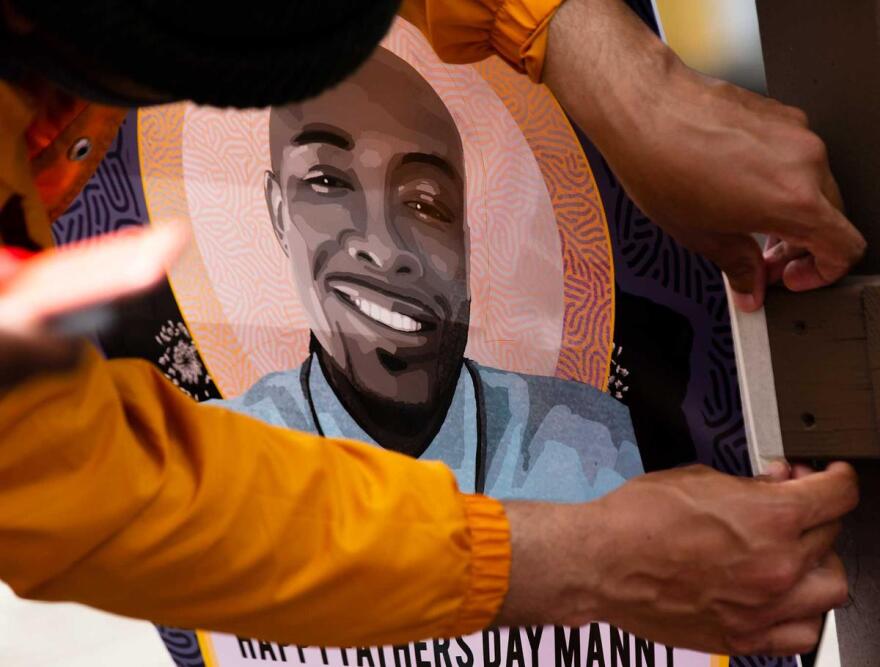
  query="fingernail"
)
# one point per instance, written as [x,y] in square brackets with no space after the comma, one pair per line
[745,302]
[778,470]
[773,252]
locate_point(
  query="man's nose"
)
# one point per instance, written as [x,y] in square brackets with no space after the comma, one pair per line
[385,256]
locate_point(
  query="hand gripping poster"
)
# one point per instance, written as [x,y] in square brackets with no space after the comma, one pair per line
[432,259]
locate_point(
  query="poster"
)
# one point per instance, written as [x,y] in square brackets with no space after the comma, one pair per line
[436,242]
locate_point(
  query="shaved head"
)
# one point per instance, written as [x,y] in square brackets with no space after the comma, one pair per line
[385,80]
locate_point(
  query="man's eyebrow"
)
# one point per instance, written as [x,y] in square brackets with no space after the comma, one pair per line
[324,135]
[434,161]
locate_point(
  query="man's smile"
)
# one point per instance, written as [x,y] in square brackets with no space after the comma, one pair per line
[400,313]
[374,311]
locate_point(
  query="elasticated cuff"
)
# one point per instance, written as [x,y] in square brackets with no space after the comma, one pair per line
[467,32]
[520,33]
[489,567]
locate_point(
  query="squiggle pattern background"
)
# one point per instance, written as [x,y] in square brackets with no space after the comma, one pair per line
[583,231]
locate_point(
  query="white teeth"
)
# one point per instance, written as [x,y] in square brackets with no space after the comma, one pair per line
[347,291]
[396,321]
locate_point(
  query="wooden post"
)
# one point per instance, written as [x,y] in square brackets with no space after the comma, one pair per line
[824,57]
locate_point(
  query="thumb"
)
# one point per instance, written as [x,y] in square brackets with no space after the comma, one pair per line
[777,471]
[742,261]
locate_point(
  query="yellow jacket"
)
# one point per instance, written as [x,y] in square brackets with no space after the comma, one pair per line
[119,492]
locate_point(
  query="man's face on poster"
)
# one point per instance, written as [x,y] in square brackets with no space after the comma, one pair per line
[367,199]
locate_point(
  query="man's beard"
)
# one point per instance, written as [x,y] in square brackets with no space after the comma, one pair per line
[395,423]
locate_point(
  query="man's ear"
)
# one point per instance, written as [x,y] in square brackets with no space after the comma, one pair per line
[275,202]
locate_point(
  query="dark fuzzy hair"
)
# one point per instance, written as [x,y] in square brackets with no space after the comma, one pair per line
[253,54]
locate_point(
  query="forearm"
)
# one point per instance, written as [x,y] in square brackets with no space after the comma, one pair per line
[121,493]
[551,580]
[608,70]
[707,161]
[741,578]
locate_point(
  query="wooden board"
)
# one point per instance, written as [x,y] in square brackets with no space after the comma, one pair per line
[824,56]
[826,391]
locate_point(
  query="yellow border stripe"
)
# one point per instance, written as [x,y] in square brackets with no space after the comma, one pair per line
[207,647]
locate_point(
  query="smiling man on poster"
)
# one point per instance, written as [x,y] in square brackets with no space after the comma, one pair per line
[367,198]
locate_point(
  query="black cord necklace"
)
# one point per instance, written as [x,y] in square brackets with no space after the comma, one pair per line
[305,374]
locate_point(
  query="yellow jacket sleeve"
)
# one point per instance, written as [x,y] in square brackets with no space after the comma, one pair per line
[119,492]
[464,31]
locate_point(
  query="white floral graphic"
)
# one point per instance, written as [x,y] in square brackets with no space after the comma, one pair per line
[617,375]
[186,362]
[180,360]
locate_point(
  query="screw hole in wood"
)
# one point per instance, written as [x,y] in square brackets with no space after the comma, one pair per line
[808,419]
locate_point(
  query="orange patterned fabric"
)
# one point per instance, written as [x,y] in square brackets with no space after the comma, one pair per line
[50,138]
[55,111]
[38,128]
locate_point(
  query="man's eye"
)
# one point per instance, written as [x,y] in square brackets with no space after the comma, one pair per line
[430,210]
[327,183]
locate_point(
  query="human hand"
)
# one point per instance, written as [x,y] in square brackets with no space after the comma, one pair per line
[22,356]
[690,558]
[47,298]
[709,162]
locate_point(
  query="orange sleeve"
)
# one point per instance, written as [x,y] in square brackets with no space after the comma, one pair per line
[119,492]
[464,31]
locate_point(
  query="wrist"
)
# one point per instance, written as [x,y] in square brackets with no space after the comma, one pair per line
[579,564]
[553,573]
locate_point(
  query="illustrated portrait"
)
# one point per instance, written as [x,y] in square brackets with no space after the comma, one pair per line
[418,259]
[382,240]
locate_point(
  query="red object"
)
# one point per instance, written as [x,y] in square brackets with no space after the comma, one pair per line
[13,253]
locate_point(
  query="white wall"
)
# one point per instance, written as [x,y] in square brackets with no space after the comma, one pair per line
[34,634]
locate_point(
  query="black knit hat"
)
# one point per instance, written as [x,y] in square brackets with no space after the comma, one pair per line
[254,54]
